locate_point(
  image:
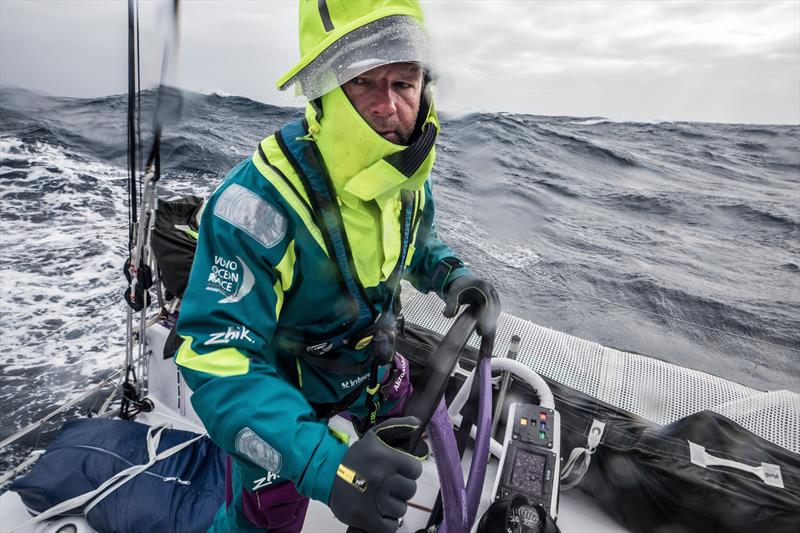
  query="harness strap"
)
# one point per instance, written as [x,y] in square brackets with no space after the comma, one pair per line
[301,153]
[304,158]
[327,410]
[372,396]
[368,326]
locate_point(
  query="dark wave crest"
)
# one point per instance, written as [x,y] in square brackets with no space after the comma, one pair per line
[762,216]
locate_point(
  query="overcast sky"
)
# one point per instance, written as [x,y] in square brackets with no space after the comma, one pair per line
[718,61]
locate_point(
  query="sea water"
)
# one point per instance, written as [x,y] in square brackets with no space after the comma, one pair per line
[672,239]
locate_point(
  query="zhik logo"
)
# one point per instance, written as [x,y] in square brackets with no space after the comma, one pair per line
[264,481]
[232,334]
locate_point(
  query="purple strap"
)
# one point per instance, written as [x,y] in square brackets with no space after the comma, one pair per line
[448,464]
[460,505]
[477,470]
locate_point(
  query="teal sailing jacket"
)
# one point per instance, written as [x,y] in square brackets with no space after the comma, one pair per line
[264,285]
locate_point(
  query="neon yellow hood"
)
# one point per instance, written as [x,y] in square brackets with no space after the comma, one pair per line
[363,168]
[355,154]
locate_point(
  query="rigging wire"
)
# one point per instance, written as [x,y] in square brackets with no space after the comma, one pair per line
[138,89]
[132,148]
[39,423]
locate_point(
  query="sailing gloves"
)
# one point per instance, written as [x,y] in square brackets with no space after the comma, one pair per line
[377,477]
[471,290]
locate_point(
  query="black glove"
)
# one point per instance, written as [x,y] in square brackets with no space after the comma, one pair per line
[473,290]
[376,479]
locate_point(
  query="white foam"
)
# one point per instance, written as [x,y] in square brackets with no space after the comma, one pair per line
[62,248]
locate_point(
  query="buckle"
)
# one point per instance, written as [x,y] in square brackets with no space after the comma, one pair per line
[319,349]
[363,343]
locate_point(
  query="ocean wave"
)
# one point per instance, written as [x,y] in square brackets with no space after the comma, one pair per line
[761,132]
[647,204]
[644,214]
[593,149]
[753,146]
[591,122]
[598,121]
[666,303]
[762,215]
[189,154]
[561,189]
[683,130]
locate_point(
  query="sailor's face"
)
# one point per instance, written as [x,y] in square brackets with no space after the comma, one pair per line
[388,98]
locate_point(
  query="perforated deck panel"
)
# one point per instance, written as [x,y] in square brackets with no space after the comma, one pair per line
[655,390]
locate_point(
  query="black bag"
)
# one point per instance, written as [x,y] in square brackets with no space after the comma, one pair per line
[174,241]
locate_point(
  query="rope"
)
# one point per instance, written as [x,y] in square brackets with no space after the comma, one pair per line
[181,422]
[11,474]
[111,396]
[41,421]
[654,313]
[578,470]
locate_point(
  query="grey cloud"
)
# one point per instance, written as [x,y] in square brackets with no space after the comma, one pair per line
[704,60]
[677,59]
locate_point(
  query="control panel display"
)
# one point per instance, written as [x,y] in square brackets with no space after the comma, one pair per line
[530,463]
[528,471]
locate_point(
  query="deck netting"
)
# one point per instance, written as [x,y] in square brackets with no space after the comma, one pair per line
[655,390]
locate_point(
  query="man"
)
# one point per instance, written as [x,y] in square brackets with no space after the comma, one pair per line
[290,312]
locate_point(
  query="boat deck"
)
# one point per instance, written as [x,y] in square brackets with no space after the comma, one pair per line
[578,513]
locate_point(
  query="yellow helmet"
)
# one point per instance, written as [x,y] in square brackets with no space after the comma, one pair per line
[341,39]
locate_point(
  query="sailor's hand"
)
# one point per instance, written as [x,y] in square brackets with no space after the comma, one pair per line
[471,290]
[376,479]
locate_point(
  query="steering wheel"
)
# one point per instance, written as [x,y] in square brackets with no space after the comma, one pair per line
[424,401]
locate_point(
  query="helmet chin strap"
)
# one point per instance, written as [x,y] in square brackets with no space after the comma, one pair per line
[409,160]
[424,107]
